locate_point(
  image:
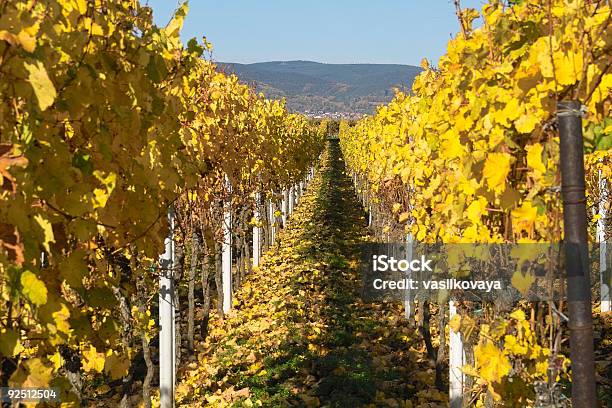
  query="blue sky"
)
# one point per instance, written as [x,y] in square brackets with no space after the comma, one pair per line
[332,31]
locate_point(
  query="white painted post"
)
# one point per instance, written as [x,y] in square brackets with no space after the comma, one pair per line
[226,257]
[257,231]
[291,199]
[606,303]
[167,352]
[285,207]
[456,360]
[407,300]
[272,222]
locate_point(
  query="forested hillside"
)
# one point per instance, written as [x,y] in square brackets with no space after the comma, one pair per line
[312,86]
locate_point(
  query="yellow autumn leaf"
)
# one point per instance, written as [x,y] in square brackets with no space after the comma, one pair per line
[61,318]
[81,6]
[518,315]
[101,195]
[47,230]
[491,362]
[512,345]
[116,365]
[496,136]
[57,360]
[33,288]
[526,123]
[41,84]
[568,66]
[424,64]
[451,147]
[38,374]
[512,110]
[496,169]
[92,360]
[534,158]
[27,41]
[524,217]
[470,370]
[522,282]
[476,209]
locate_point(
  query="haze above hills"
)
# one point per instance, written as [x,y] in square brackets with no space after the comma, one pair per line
[324,89]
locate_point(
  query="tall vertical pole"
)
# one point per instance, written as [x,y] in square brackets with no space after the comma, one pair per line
[166,319]
[257,231]
[456,360]
[606,304]
[576,250]
[407,300]
[226,256]
[272,222]
[285,207]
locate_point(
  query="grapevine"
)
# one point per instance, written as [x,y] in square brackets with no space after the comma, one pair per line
[471,155]
[107,121]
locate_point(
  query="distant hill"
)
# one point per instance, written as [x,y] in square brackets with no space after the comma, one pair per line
[316,87]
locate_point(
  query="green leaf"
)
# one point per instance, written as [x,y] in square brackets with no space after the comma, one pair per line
[73,268]
[100,297]
[42,85]
[9,343]
[83,162]
[156,69]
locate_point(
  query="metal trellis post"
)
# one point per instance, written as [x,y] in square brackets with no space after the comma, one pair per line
[577,254]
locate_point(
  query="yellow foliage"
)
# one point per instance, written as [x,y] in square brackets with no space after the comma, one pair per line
[491,363]
[467,124]
[93,360]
